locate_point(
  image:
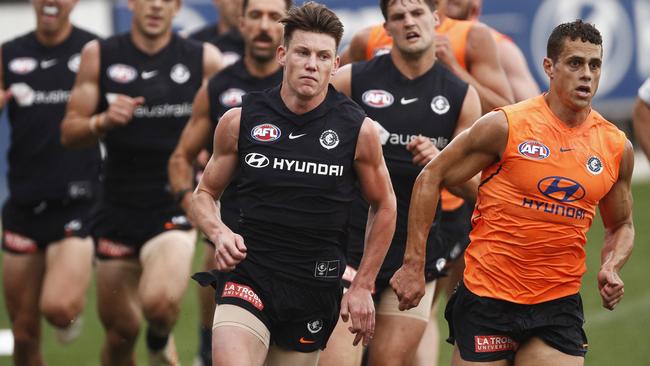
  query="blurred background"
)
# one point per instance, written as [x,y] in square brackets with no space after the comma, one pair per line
[617,338]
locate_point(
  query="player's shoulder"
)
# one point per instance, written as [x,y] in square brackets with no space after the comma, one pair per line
[605,124]
[84,35]
[21,40]
[340,103]
[375,64]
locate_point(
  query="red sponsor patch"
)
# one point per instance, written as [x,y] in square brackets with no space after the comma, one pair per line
[243,292]
[19,243]
[109,248]
[494,343]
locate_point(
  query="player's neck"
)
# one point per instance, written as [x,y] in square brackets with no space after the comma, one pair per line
[150,45]
[413,66]
[299,104]
[260,69]
[50,39]
[569,116]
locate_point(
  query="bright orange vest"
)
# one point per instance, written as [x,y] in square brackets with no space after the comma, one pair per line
[536,204]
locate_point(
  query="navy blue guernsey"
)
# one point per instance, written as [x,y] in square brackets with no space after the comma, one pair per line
[40,79]
[296,185]
[137,154]
[225,91]
[403,109]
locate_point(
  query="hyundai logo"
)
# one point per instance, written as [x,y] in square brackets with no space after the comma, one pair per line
[256,160]
[561,189]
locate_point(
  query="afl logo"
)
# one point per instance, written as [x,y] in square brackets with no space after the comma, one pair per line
[561,189]
[121,73]
[22,65]
[180,74]
[231,97]
[534,150]
[595,165]
[440,105]
[315,326]
[378,98]
[329,139]
[256,160]
[73,62]
[266,132]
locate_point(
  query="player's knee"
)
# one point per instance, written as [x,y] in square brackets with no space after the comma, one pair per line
[25,334]
[60,312]
[123,334]
[162,312]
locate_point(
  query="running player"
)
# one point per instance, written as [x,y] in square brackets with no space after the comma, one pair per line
[467,48]
[47,260]
[134,92]
[301,149]
[641,117]
[419,106]
[511,58]
[546,164]
[224,33]
[258,70]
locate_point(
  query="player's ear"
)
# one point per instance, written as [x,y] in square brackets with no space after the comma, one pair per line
[337,63]
[281,55]
[548,67]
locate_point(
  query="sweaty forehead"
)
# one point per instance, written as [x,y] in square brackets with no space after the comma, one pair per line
[578,48]
[403,3]
[317,42]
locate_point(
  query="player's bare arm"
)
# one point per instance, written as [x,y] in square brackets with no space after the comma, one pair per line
[377,189]
[229,247]
[82,128]
[356,49]
[485,73]
[212,61]
[342,80]
[616,212]
[469,153]
[641,123]
[514,64]
[196,134]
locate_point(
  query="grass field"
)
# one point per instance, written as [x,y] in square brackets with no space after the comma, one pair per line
[615,338]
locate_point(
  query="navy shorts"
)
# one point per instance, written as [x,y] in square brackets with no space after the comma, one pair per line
[30,228]
[487,329]
[454,229]
[120,232]
[300,317]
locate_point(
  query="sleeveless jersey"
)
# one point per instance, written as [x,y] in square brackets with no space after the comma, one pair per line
[225,91]
[428,105]
[536,204]
[40,79]
[137,154]
[379,42]
[296,184]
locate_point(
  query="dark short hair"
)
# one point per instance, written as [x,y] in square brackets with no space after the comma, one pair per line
[312,17]
[383,5]
[586,32]
[288,4]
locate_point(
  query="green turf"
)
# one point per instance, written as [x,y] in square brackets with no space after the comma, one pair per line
[615,338]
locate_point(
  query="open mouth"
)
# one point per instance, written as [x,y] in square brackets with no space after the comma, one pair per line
[412,35]
[50,10]
[583,90]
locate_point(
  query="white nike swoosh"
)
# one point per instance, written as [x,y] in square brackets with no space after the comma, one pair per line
[46,64]
[292,136]
[408,101]
[149,74]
